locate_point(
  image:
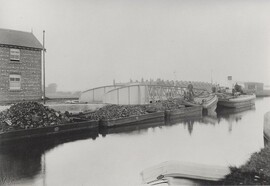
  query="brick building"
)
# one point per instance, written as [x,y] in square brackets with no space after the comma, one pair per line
[20,66]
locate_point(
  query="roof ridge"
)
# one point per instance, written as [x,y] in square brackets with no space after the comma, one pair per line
[6,29]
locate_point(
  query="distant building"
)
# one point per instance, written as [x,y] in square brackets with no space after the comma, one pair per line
[51,88]
[257,88]
[253,86]
[20,66]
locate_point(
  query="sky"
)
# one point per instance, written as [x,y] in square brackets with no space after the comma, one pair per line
[92,42]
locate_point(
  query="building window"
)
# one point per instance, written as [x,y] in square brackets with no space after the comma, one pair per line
[14,82]
[14,54]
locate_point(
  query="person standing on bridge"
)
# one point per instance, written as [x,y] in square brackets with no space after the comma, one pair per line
[190,91]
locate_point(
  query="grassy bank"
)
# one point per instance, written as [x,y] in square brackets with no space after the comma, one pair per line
[255,172]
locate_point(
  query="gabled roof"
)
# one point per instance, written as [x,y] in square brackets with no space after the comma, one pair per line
[19,38]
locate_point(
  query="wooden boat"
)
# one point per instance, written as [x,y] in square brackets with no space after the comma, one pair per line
[184,112]
[177,169]
[236,101]
[50,130]
[133,119]
[208,103]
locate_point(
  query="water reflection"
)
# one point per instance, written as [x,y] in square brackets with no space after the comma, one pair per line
[143,127]
[233,115]
[187,122]
[23,158]
[139,128]
[230,115]
[19,163]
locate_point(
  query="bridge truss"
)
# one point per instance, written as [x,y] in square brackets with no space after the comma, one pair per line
[161,92]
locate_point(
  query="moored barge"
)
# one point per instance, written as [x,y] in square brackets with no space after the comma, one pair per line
[131,120]
[236,101]
[209,103]
[48,130]
[184,112]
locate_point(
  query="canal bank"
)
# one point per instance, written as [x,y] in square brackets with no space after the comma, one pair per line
[257,170]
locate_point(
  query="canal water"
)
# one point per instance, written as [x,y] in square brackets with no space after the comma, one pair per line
[116,156]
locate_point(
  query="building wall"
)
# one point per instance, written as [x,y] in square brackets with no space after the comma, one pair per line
[29,67]
[260,86]
[253,86]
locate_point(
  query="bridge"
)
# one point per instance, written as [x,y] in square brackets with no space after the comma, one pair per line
[95,95]
[139,93]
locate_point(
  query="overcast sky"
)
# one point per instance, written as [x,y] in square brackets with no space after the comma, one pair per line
[91,42]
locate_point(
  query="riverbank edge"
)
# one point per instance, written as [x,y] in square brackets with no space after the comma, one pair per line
[257,170]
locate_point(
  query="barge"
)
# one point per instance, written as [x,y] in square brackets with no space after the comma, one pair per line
[138,128]
[209,103]
[49,130]
[236,101]
[184,112]
[133,119]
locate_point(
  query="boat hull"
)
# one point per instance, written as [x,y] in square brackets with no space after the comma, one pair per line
[183,112]
[237,102]
[208,104]
[141,126]
[50,130]
[132,120]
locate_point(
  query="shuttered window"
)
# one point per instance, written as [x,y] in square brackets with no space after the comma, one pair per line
[15,54]
[14,82]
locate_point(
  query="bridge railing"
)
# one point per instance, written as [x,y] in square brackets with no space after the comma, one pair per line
[144,94]
[95,95]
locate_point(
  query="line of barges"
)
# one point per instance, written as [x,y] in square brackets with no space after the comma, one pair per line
[188,109]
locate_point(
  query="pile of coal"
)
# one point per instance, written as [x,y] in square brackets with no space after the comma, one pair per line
[26,115]
[117,111]
[122,111]
[170,104]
